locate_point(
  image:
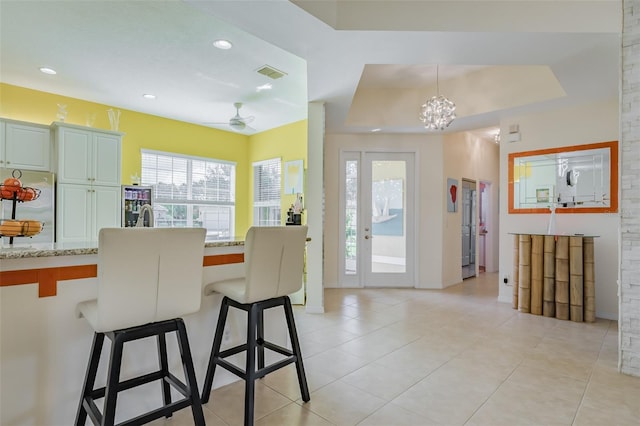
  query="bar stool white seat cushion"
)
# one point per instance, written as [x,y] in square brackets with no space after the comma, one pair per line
[145,275]
[266,273]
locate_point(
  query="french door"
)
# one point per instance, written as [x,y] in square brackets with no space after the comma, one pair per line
[377,219]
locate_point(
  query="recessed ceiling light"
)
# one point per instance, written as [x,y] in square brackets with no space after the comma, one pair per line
[49,71]
[149,96]
[222,44]
[376,130]
[266,86]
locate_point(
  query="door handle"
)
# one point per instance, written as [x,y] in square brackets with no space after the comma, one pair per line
[366,237]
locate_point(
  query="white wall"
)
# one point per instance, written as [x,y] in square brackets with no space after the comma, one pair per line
[315,208]
[564,127]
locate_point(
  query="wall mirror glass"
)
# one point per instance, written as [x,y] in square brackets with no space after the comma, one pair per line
[577,179]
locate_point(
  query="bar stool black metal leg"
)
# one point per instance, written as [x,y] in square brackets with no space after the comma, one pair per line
[113,378]
[215,350]
[90,377]
[295,344]
[250,371]
[164,367]
[189,373]
[260,330]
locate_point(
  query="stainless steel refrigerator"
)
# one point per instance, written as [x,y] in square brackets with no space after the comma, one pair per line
[41,209]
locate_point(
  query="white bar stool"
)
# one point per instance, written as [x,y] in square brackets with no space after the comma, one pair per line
[147,279]
[274,267]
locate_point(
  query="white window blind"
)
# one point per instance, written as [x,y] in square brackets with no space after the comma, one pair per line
[191,192]
[266,192]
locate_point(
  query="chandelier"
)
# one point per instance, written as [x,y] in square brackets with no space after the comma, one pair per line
[438,112]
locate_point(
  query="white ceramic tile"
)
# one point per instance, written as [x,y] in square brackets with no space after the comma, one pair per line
[441,357]
[383,382]
[292,414]
[392,414]
[228,402]
[343,404]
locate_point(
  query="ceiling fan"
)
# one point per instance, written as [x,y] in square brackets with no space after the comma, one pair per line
[237,122]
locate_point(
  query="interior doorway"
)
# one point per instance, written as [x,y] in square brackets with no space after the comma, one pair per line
[468,210]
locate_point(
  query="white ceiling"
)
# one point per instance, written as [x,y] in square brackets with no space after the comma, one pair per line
[496,58]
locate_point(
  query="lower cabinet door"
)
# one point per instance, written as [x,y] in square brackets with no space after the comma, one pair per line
[73,213]
[82,210]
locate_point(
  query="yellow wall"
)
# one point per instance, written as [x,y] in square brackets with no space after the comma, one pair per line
[143,131]
[287,143]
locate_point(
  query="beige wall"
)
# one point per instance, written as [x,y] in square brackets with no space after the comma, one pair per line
[564,127]
[439,261]
[467,156]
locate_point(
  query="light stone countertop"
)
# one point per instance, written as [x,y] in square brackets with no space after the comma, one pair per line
[25,250]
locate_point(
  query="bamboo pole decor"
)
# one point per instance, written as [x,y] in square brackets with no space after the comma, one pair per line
[549,281]
[554,276]
[537,270]
[562,278]
[516,260]
[576,283]
[524,278]
[589,280]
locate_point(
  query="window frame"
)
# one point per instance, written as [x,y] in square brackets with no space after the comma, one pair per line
[272,206]
[189,201]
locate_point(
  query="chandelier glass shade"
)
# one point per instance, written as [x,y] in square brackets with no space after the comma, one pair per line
[438,112]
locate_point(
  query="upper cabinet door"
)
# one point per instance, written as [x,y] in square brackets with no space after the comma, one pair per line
[106,157]
[26,147]
[75,160]
[88,157]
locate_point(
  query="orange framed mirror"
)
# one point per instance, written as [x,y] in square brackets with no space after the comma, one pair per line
[577,179]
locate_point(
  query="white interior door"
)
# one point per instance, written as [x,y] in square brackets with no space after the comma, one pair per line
[377,219]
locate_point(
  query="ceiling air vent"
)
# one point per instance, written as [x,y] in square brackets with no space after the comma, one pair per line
[271,72]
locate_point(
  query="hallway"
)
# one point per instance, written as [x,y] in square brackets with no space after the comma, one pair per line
[448,357]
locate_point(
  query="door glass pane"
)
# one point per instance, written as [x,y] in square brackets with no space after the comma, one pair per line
[351,215]
[388,216]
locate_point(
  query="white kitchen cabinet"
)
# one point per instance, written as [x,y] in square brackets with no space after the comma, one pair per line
[25,146]
[87,156]
[82,210]
[88,172]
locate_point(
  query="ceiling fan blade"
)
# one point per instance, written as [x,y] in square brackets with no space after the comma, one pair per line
[248,119]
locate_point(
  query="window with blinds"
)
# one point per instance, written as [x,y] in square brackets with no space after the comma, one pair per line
[191,192]
[266,192]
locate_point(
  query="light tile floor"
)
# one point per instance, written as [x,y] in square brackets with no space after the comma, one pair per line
[439,357]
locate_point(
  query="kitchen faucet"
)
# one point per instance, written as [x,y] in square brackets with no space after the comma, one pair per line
[146,208]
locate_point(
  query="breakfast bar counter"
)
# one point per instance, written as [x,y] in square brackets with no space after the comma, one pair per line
[26,250]
[43,345]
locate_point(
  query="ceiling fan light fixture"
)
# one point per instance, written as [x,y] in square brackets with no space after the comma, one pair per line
[438,112]
[237,124]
